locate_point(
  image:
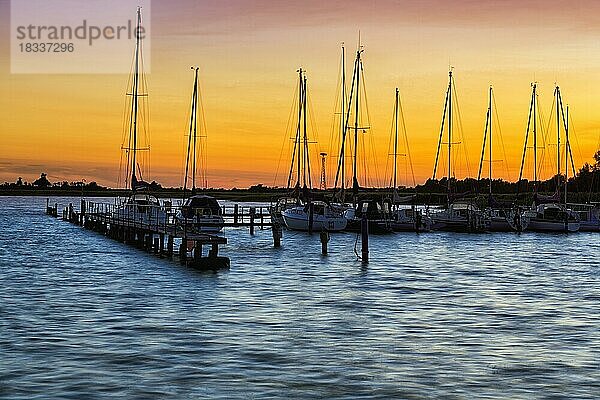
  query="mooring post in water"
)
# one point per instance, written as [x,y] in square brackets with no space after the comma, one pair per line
[149,242]
[161,249]
[55,213]
[170,246]
[214,251]
[252,213]
[277,233]
[70,212]
[142,239]
[235,214]
[311,216]
[183,251]
[364,230]
[82,208]
[324,240]
[157,245]
[197,250]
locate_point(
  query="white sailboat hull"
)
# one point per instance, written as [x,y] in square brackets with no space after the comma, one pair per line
[459,220]
[298,219]
[553,218]
[507,220]
[401,222]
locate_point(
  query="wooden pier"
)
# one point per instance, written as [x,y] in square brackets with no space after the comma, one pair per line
[156,229]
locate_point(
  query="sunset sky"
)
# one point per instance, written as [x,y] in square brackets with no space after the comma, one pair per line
[70,126]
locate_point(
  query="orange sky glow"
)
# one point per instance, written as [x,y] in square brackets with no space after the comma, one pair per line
[248,51]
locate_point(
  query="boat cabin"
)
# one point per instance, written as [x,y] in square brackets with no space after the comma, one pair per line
[200,205]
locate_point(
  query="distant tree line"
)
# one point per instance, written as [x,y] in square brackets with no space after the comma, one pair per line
[585,182]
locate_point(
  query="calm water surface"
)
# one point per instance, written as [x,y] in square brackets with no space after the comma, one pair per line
[431,316]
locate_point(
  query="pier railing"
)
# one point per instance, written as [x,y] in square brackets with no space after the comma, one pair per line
[166,217]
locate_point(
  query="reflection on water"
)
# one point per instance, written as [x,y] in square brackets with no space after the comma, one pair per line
[432,315]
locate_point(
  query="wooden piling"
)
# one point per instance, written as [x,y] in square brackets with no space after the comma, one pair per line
[149,242]
[183,251]
[277,234]
[324,240]
[140,238]
[252,214]
[235,214]
[161,249]
[364,229]
[311,216]
[214,251]
[170,246]
[156,245]
[82,212]
[197,250]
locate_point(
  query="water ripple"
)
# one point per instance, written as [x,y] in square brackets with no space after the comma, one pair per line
[432,316]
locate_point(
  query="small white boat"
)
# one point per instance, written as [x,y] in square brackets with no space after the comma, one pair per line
[141,208]
[506,220]
[459,217]
[589,217]
[410,220]
[202,214]
[325,218]
[552,218]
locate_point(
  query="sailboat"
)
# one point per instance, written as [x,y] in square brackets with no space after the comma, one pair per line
[294,197]
[376,211]
[458,216]
[141,207]
[200,213]
[500,217]
[403,218]
[589,213]
[549,213]
[307,215]
[589,217]
[338,202]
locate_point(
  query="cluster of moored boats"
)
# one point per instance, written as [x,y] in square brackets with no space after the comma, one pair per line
[385,216]
[302,211]
[393,213]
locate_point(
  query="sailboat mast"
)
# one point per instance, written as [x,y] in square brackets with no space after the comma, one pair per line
[396,141]
[557,99]
[305,136]
[191,132]
[567,151]
[449,130]
[298,140]
[534,101]
[135,96]
[343,119]
[195,127]
[356,117]
[490,141]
